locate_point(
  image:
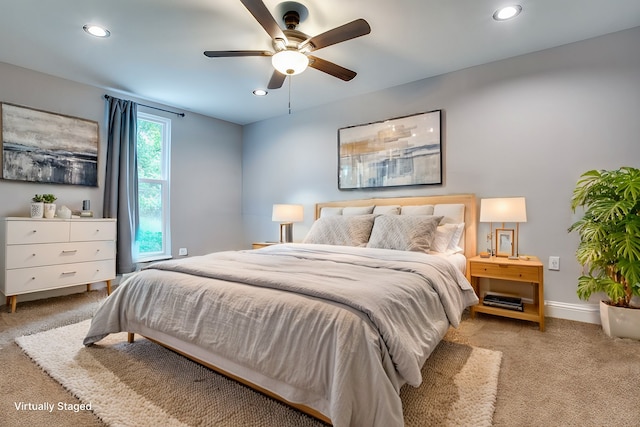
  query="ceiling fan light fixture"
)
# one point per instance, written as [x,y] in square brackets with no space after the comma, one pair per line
[96,31]
[290,62]
[260,92]
[507,12]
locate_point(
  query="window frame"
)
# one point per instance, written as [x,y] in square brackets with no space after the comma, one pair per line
[165,183]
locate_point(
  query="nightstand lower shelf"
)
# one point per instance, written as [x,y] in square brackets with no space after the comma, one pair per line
[530,312]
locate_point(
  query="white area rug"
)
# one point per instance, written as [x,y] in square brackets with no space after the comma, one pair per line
[143,384]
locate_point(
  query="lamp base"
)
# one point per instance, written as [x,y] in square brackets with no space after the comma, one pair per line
[286,232]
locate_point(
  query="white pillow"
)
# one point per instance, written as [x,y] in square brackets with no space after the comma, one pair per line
[357,210]
[341,230]
[387,210]
[417,210]
[327,211]
[454,243]
[452,213]
[404,233]
[444,234]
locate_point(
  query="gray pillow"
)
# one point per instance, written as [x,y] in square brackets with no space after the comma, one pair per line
[387,210]
[341,230]
[404,233]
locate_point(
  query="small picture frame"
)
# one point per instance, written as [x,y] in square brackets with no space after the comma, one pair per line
[504,242]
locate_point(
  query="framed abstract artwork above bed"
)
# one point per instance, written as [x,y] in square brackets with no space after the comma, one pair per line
[396,152]
[40,146]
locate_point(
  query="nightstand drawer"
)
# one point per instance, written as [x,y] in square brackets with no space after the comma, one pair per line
[505,271]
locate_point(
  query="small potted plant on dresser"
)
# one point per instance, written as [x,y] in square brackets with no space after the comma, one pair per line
[609,248]
[37,206]
[49,206]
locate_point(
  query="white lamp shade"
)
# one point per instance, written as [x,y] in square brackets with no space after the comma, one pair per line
[510,209]
[287,213]
[290,62]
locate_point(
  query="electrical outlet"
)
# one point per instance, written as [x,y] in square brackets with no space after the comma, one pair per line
[182,252]
[554,263]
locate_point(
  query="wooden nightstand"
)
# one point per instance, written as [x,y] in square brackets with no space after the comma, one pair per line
[258,245]
[530,271]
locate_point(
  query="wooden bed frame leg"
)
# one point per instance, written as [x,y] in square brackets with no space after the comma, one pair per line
[130,337]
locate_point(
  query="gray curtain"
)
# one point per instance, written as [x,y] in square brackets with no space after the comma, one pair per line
[121,181]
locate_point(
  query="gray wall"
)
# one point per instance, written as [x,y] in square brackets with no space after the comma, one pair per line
[206,156]
[526,126]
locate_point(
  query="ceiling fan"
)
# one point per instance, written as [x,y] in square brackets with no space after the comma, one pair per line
[292,48]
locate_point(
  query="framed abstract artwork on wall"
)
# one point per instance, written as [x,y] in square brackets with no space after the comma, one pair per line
[40,146]
[395,152]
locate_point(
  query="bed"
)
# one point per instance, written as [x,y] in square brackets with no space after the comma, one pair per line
[332,327]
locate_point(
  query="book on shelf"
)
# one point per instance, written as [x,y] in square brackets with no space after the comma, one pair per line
[502,301]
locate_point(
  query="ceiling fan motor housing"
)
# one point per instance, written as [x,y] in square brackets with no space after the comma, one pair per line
[291,19]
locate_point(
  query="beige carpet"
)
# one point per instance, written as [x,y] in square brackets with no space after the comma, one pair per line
[570,375]
[143,384]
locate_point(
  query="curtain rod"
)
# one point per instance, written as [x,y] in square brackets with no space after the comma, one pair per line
[155,108]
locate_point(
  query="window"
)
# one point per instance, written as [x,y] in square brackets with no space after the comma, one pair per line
[153,150]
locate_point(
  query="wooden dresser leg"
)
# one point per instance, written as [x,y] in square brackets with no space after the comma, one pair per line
[108,287]
[88,287]
[130,337]
[14,300]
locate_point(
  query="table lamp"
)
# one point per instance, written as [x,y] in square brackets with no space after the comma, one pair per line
[509,209]
[286,215]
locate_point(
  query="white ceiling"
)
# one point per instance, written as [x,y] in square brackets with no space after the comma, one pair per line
[155,51]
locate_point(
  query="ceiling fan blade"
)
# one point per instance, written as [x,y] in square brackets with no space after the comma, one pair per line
[277,80]
[331,68]
[264,18]
[234,53]
[349,31]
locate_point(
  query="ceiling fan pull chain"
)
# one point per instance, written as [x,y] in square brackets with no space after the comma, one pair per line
[290,78]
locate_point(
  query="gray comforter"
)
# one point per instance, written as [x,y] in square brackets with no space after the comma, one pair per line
[344,327]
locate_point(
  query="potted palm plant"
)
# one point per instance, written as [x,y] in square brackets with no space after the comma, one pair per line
[609,248]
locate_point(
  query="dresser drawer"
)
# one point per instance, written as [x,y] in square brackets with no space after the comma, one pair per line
[92,230]
[23,256]
[25,232]
[505,271]
[25,280]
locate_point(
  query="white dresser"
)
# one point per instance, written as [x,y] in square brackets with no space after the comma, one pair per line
[41,254]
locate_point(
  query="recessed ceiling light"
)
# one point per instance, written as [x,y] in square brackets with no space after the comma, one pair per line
[96,31]
[260,92]
[507,12]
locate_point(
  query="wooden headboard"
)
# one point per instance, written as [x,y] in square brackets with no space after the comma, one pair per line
[470,211]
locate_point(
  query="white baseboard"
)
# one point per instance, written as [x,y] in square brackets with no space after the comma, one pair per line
[588,313]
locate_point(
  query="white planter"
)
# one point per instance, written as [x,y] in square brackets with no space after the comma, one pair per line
[49,210]
[37,209]
[620,322]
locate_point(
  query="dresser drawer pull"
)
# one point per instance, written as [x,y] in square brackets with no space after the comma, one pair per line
[71,251]
[68,273]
